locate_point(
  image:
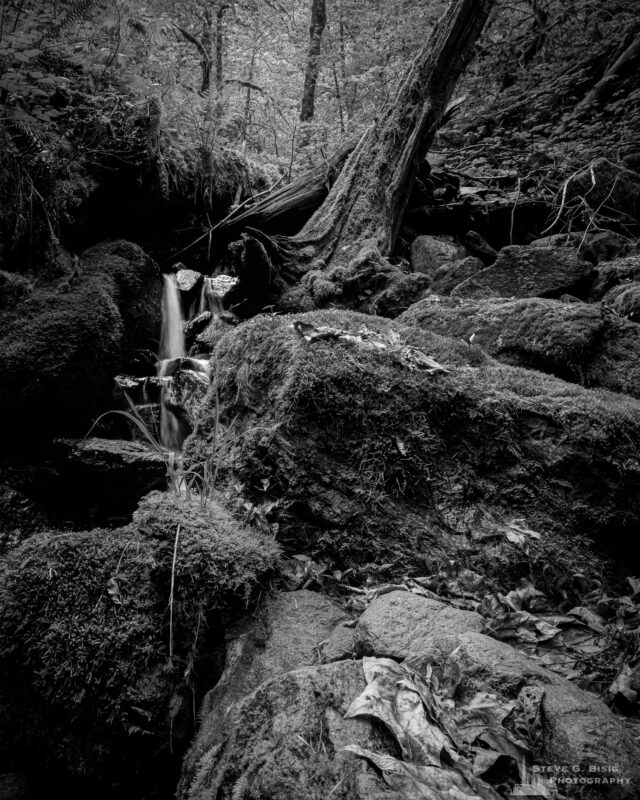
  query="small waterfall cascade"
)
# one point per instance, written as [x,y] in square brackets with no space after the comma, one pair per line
[165,397]
[172,346]
[172,333]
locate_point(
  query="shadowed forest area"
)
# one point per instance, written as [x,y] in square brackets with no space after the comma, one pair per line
[320,380]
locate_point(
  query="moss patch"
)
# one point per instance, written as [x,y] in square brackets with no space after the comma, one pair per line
[364,459]
[85,638]
[579,342]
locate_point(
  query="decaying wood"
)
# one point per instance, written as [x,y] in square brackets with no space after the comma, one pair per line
[367,201]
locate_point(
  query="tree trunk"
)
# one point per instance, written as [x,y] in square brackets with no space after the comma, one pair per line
[318,21]
[366,204]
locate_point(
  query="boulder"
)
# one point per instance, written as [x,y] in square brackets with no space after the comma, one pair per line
[61,346]
[109,637]
[477,246]
[615,273]
[401,624]
[579,731]
[188,281]
[403,290]
[624,300]
[430,252]
[579,342]
[286,741]
[347,441]
[284,633]
[340,644]
[521,271]
[98,481]
[449,275]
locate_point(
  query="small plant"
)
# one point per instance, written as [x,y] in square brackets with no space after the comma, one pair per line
[197,480]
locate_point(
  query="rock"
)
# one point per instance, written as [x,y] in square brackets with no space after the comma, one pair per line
[449,275]
[284,633]
[578,342]
[579,730]
[196,325]
[189,281]
[529,272]
[559,240]
[340,644]
[607,188]
[285,741]
[107,640]
[13,289]
[402,291]
[99,481]
[20,517]
[354,483]
[602,246]
[615,273]
[624,300]
[430,252]
[61,347]
[477,246]
[401,624]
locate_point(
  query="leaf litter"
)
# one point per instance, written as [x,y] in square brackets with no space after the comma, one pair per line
[449,748]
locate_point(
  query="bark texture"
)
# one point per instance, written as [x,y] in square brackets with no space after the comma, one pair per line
[318,21]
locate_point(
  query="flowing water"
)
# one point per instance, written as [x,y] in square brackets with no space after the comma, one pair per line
[171,346]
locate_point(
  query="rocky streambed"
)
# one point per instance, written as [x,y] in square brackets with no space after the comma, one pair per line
[395,558]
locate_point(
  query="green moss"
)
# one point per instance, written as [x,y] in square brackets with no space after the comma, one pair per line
[85,636]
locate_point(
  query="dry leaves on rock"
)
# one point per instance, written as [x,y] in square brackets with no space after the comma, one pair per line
[391,343]
[446,747]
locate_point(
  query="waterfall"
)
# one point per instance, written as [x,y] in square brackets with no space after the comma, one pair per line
[171,346]
[210,299]
[172,334]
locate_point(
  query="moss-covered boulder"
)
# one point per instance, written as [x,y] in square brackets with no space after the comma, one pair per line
[615,273]
[359,454]
[61,345]
[108,639]
[579,342]
[529,272]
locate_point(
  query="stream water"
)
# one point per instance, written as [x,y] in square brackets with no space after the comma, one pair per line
[172,346]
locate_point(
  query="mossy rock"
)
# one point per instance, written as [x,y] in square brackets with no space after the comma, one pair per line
[578,342]
[61,347]
[101,671]
[360,460]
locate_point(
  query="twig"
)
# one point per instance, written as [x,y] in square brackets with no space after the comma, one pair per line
[173,577]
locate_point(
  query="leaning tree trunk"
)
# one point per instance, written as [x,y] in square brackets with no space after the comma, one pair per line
[366,204]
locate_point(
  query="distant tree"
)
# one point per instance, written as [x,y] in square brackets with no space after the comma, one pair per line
[318,21]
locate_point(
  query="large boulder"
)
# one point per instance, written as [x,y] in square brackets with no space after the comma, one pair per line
[286,740]
[530,272]
[284,633]
[61,346]
[579,342]
[579,732]
[108,638]
[356,444]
